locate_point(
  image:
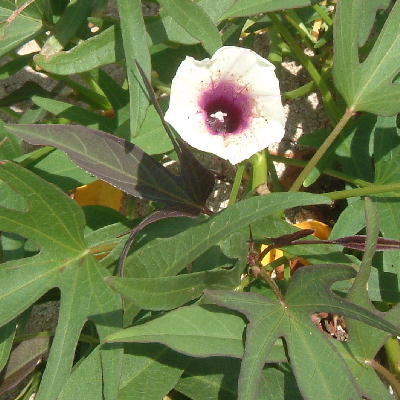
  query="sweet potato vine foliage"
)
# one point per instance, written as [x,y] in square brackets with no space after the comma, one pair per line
[167,295]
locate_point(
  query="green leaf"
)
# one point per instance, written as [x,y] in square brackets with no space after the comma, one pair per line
[389,277]
[354,212]
[215,9]
[10,146]
[75,113]
[7,333]
[57,168]
[363,344]
[169,292]
[67,26]
[386,150]
[136,50]
[152,137]
[163,28]
[270,319]
[204,331]
[102,49]
[386,153]
[112,159]
[164,256]
[214,378]
[243,8]
[367,86]
[55,223]
[85,380]
[10,68]
[195,21]
[144,365]
[16,28]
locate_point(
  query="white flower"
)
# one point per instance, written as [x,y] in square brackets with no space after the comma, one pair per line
[229,105]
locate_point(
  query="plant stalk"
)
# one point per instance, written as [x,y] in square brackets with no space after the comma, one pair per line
[328,171]
[321,151]
[260,169]
[364,191]
[330,105]
[236,184]
[386,374]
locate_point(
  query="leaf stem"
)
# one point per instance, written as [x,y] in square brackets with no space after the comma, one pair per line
[236,184]
[327,171]
[321,150]
[386,374]
[364,191]
[330,105]
[260,169]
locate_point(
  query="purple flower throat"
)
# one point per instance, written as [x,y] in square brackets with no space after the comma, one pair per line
[226,108]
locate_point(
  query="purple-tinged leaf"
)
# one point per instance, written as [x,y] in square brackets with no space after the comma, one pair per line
[197,180]
[23,360]
[112,159]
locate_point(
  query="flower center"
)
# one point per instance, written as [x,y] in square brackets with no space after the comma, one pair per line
[226,108]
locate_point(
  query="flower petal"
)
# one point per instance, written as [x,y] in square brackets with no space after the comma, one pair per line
[229,105]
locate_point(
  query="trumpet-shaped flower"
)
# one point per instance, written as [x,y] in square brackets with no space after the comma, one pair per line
[229,105]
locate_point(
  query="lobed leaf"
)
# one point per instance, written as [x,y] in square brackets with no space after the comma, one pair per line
[308,292]
[55,223]
[367,86]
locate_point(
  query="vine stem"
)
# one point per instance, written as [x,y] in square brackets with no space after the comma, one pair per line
[321,150]
[363,191]
[327,171]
